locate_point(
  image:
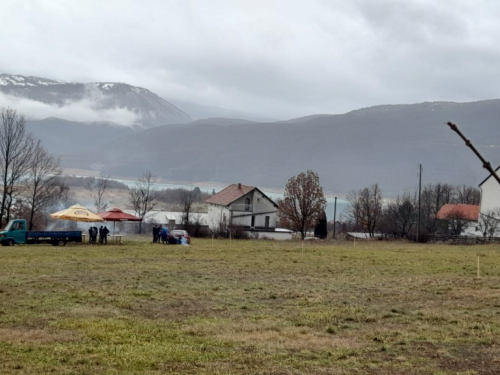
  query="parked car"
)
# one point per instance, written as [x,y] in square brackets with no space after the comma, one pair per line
[176,235]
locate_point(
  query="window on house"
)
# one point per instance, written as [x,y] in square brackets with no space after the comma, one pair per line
[247,204]
[224,218]
[267,222]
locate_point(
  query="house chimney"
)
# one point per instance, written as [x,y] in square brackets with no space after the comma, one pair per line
[239,185]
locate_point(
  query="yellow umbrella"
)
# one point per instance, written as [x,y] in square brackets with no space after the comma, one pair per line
[77,213]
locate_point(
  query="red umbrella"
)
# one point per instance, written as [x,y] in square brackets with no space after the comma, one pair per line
[116,214]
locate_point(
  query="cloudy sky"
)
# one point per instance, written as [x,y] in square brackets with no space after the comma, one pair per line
[280,59]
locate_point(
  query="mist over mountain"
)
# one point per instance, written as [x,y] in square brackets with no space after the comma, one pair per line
[381,144]
[198,112]
[39,98]
[63,137]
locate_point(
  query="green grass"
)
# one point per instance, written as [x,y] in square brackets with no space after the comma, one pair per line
[250,307]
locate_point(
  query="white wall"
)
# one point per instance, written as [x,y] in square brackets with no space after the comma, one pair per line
[490,195]
[215,216]
[260,208]
[490,198]
[281,236]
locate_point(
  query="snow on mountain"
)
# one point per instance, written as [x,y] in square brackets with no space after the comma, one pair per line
[16,80]
[103,99]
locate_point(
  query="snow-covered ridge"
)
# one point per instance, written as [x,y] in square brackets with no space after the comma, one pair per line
[17,80]
[93,101]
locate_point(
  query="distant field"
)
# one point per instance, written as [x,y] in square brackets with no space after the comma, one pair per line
[250,307]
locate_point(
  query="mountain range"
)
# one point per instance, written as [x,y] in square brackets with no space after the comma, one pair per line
[381,144]
[147,108]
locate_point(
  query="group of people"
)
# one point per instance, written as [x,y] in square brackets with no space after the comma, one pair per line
[160,234]
[103,235]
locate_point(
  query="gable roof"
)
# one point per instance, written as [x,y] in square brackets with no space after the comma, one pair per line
[233,192]
[229,194]
[487,178]
[467,211]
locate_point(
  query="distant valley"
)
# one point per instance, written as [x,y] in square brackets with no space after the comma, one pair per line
[380,144]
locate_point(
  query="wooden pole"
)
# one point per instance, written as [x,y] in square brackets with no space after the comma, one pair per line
[212,239]
[419,194]
[478,267]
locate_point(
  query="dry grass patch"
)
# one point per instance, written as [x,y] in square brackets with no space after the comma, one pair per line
[249,307]
[36,336]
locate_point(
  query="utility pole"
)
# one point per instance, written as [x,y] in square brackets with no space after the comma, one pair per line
[419,191]
[334,216]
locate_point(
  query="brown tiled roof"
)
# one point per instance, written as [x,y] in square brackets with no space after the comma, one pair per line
[466,211]
[229,194]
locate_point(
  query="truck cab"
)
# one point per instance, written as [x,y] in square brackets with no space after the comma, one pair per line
[14,233]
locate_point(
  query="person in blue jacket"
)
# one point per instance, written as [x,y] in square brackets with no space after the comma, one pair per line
[164,235]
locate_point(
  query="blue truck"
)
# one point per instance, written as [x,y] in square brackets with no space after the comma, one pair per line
[15,233]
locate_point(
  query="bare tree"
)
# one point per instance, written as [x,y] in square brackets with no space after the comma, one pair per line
[467,194]
[366,207]
[402,213]
[433,197]
[142,196]
[220,223]
[187,200]
[97,189]
[489,222]
[303,202]
[43,185]
[16,146]
[457,222]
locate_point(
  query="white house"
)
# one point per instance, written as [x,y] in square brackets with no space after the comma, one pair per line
[468,214]
[490,202]
[244,206]
[490,194]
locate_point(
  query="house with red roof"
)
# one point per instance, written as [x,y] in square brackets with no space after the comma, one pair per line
[467,214]
[243,206]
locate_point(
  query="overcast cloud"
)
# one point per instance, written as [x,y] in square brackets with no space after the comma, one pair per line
[281,59]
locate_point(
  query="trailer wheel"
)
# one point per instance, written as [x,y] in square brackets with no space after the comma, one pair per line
[61,243]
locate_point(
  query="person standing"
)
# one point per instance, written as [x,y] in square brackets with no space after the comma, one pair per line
[95,235]
[164,235]
[100,235]
[105,232]
[155,233]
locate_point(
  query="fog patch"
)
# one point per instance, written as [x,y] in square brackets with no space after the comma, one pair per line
[84,110]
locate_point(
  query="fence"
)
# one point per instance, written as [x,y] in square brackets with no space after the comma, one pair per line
[471,240]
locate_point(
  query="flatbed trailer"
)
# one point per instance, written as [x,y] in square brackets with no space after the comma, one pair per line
[15,234]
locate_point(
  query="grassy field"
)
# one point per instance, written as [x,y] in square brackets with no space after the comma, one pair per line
[250,307]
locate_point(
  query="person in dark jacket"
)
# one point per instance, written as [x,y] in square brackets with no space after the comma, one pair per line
[155,233]
[105,233]
[95,234]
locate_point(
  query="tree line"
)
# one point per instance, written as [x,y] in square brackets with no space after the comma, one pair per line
[303,208]
[32,184]
[400,216]
[30,176]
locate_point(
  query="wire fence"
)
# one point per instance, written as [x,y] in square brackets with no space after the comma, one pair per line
[472,240]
